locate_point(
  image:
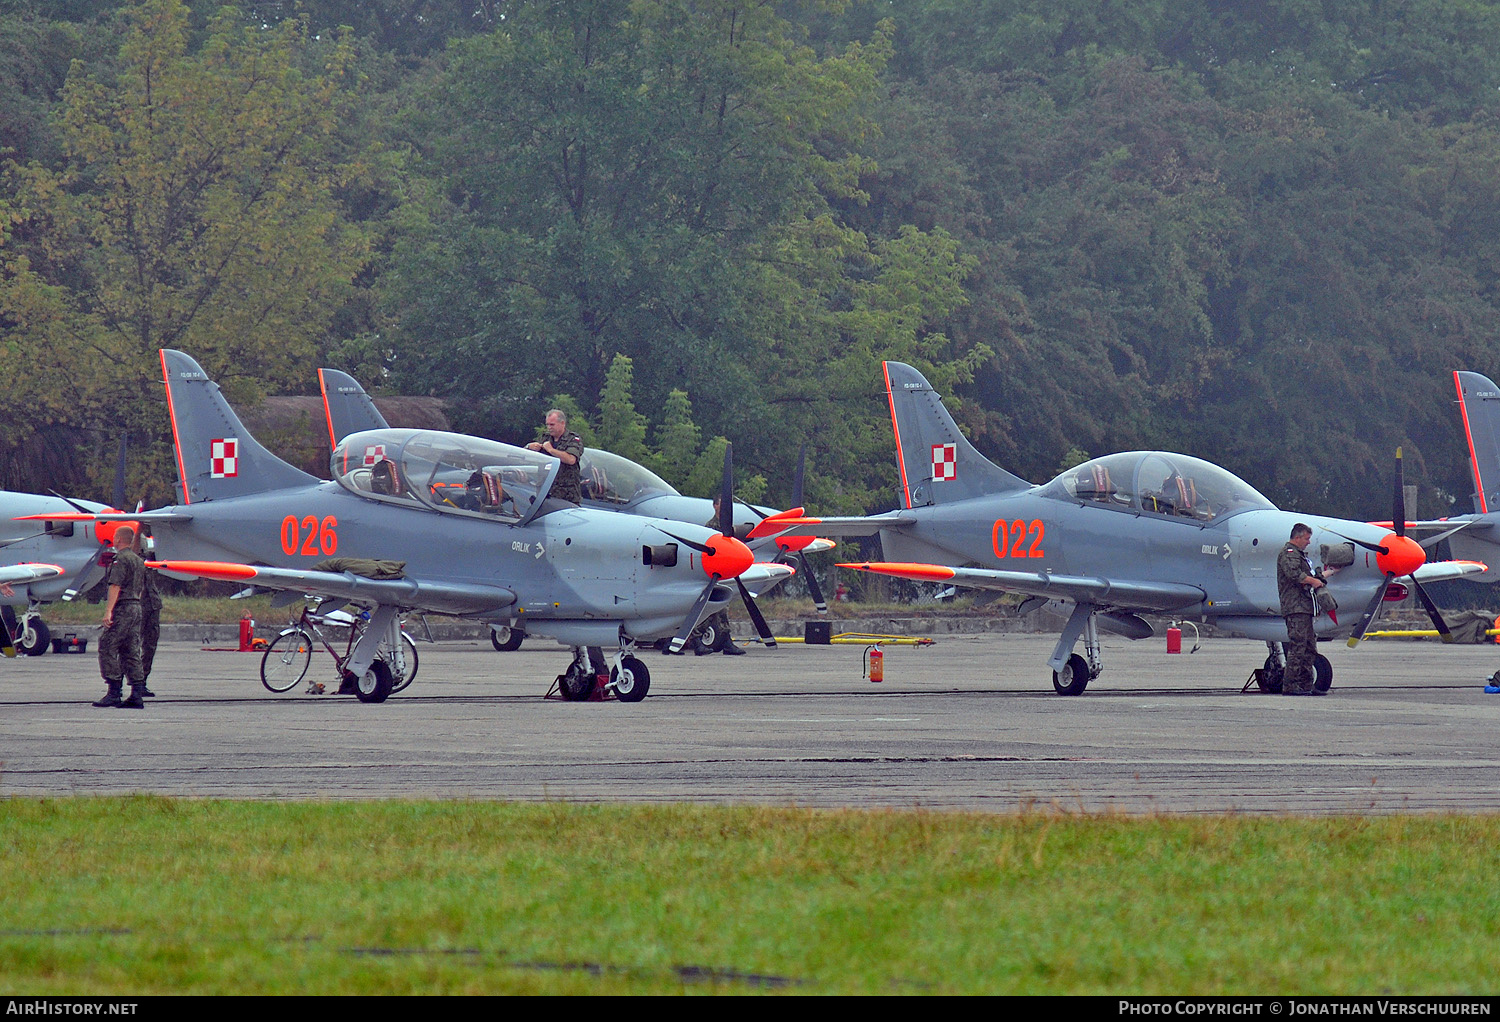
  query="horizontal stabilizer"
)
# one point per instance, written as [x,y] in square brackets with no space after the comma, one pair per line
[407,593]
[1125,594]
[862,526]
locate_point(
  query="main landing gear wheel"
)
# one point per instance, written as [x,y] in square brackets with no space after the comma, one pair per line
[35,636]
[576,684]
[506,640]
[409,657]
[1073,678]
[1322,673]
[631,680]
[374,686]
[286,660]
[1270,675]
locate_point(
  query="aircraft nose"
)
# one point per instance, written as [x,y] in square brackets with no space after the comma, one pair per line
[1402,557]
[726,557]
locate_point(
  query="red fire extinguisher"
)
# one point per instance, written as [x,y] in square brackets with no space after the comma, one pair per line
[1174,639]
[247,634]
[877,664]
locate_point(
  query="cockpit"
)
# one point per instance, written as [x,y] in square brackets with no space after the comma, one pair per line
[446,472]
[615,480]
[1158,482]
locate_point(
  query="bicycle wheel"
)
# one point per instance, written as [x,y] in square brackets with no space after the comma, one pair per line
[403,677]
[286,660]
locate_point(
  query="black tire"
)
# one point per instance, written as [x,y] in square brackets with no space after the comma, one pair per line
[409,653]
[375,685]
[35,637]
[506,640]
[1322,673]
[574,686]
[1074,677]
[285,663]
[1270,675]
[631,680]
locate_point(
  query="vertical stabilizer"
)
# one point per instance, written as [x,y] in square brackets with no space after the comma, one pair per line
[216,455]
[1479,408]
[348,408]
[938,464]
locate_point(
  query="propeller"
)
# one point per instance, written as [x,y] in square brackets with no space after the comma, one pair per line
[724,557]
[1397,555]
[806,573]
[119,494]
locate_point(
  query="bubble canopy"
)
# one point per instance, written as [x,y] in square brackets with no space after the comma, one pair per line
[615,480]
[447,472]
[1158,482]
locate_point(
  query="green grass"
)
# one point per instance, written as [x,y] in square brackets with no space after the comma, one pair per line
[150,895]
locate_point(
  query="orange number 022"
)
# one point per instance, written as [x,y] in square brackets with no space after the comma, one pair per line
[321,539]
[1009,538]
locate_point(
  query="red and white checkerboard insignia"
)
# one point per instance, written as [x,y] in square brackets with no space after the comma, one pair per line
[944,462]
[224,458]
[374,454]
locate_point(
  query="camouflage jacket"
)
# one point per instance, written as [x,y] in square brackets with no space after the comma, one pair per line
[1292,567]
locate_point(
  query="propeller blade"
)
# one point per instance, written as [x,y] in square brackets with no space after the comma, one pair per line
[1398,513]
[120,476]
[701,548]
[1432,541]
[801,472]
[691,621]
[1432,611]
[726,493]
[1371,609]
[812,584]
[21,539]
[755,615]
[71,503]
[1359,542]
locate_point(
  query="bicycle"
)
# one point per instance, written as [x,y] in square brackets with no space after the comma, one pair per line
[288,657]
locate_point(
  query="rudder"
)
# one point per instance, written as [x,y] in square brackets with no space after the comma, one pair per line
[938,464]
[1479,407]
[216,455]
[348,407]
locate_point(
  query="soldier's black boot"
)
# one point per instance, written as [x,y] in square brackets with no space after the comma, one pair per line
[147,692]
[111,697]
[135,702]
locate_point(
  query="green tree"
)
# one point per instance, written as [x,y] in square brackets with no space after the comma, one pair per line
[196,209]
[622,429]
[677,440]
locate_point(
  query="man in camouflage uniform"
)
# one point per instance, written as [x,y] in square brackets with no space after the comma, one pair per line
[1294,583]
[120,645]
[150,617]
[567,448]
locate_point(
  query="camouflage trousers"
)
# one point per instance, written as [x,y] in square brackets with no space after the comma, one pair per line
[150,635]
[120,646]
[1301,648]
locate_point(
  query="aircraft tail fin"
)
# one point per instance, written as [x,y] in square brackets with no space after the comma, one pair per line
[348,407]
[216,455]
[938,464]
[1479,408]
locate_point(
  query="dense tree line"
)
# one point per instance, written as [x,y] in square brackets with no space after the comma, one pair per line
[1260,234]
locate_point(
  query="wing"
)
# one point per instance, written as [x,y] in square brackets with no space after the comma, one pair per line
[866,526]
[1436,571]
[762,577]
[1126,594]
[28,572]
[408,593]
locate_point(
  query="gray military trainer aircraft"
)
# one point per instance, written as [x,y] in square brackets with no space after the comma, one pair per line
[1120,536]
[72,547]
[497,550]
[614,483]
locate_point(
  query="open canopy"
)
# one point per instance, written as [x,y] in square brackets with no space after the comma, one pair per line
[1158,482]
[616,480]
[447,472]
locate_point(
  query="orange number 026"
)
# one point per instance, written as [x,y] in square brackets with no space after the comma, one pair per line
[1009,538]
[320,539]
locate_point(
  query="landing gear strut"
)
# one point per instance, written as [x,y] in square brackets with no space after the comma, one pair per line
[1072,673]
[629,679]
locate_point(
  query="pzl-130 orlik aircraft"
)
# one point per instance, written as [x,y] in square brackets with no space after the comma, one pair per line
[1119,536]
[614,483]
[73,548]
[584,577]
